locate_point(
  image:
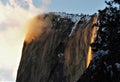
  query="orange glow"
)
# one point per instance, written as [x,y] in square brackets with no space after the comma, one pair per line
[36,26]
[33,28]
[89,56]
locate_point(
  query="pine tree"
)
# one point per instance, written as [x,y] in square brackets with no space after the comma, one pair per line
[105,68]
[108,37]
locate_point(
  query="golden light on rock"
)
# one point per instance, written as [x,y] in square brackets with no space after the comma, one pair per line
[89,56]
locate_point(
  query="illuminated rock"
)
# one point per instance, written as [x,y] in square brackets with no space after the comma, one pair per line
[57,51]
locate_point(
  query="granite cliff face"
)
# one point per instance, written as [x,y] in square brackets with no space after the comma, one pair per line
[57,48]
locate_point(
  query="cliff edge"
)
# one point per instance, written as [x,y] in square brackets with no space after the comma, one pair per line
[57,48]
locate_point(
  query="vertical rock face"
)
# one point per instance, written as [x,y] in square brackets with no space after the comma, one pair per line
[56,48]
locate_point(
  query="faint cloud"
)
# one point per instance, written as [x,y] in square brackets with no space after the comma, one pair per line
[13,16]
[22,3]
[6,74]
[45,4]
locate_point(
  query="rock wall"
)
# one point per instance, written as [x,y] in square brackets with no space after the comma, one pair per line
[56,48]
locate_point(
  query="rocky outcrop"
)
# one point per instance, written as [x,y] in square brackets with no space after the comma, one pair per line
[56,48]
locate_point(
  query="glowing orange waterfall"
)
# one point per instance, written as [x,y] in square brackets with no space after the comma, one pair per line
[89,56]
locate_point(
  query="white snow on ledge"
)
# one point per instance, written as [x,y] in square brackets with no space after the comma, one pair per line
[101,52]
[73,17]
[73,28]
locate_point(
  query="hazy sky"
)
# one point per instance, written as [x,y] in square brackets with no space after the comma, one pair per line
[74,6]
[77,6]
[13,16]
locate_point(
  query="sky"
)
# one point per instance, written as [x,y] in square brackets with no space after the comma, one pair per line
[14,14]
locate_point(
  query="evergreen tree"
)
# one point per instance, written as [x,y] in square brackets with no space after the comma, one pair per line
[108,37]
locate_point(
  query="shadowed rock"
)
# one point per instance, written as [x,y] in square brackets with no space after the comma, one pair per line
[59,52]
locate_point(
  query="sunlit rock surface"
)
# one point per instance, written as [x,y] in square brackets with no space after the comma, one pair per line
[56,48]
